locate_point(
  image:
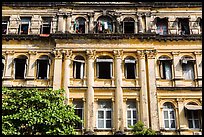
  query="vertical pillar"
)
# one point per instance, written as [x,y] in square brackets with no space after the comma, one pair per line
[177,69]
[60,23]
[14,24]
[89,117]
[173,25]
[36,22]
[119,121]
[181,119]
[148,22]
[9,64]
[140,23]
[118,22]
[31,66]
[154,114]
[144,113]
[91,22]
[66,76]
[57,70]
[68,22]
[198,57]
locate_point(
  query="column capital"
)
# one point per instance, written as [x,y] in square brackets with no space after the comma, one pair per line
[140,53]
[57,53]
[197,52]
[91,14]
[69,14]
[176,53]
[139,14]
[91,54]
[67,54]
[10,52]
[118,53]
[151,54]
[32,52]
[179,100]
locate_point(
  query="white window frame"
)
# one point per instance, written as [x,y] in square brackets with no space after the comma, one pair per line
[188,70]
[25,22]
[81,68]
[25,69]
[169,119]
[131,114]
[46,23]
[110,61]
[193,120]
[162,66]
[48,68]
[104,117]
[81,112]
[131,61]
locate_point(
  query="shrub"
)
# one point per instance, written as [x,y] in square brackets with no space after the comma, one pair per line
[139,129]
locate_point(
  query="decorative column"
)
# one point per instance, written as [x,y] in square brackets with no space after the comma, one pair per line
[36,22]
[57,69]
[31,65]
[91,22]
[173,25]
[140,22]
[144,113]
[66,72]
[14,22]
[119,121]
[68,22]
[198,57]
[60,23]
[181,119]
[177,69]
[118,22]
[154,114]
[9,64]
[148,22]
[89,112]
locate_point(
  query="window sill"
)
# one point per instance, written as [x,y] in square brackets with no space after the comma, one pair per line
[103,129]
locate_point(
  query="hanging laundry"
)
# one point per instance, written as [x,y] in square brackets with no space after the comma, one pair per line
[105,25]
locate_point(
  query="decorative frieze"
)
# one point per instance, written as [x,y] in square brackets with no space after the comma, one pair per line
[118,53]
[91,54]
[57,53]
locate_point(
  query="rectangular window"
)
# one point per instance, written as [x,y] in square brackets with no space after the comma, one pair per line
[131,113]
[129,27]
[25,25]
[193,119]
[169,119]
[20,68]
[184,26]
[165,69]
[188,70]
[79,69]
[43,69]
[162,26]
[5,23]
[79,112]
[104,118]
[46,25]
[129,69]
[104,68]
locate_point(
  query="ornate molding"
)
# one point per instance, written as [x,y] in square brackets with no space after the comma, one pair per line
[179,100]
[10,52]
[118,53]
[151,54]
[31,52]
[91,54]
[57,53]
[91,14]
[197,52]
[67,54]
[175,53]
[140,53]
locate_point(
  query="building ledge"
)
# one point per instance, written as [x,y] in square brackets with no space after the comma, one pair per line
[142,36]
[180,88]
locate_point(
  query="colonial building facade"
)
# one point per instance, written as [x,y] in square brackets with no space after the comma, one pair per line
[119,62]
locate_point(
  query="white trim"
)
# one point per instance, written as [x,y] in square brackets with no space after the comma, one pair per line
[104,110]
[104,60]
[169,119]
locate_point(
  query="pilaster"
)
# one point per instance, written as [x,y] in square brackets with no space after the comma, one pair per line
[9,64]
[31,65]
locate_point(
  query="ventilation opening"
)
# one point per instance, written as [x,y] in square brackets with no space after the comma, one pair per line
[128,27]
[42,69]
[20,68]
[104,70]
[130,70]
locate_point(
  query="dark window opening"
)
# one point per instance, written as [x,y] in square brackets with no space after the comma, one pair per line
[24,26]
[5,25]
[78,67]
[20,68]
[162,26]
[104,69]
[42,69]
[130,70]
[188,70]
[165,67]
[79,25]
[184,26]
[46,26]
[79,112]
[129,27]
[104,25]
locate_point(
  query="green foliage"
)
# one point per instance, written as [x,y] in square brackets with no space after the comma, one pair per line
[139,129]
[34,112]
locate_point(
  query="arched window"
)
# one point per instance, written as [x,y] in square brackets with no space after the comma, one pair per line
[194,115]
[162,26]
[128,25]
[169,116]
[187,63]
[79,25]
[21,63]
[104,25]
[79,63]
[3,64]
[104,67]
[131,113]
[43,66]
[130,68]
[165,67]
